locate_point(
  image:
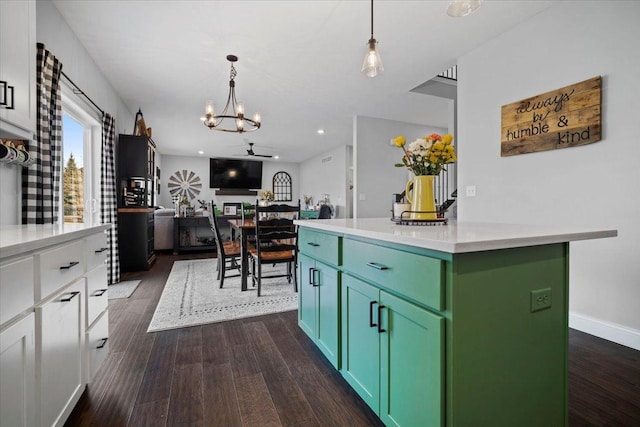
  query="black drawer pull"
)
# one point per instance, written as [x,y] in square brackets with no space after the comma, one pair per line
[99,292]
[371,323]
[380,330]
[99,251]
[315,245]
[71,296]
[104,341]
[71,264]
[377,266]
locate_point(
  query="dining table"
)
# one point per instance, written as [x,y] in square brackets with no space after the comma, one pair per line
[245,227]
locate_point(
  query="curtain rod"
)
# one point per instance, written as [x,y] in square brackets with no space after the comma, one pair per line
[79,91]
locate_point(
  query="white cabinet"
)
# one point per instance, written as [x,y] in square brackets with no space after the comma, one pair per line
[17,67]
[97,343]
[54,323]
[59,351]
[17,380]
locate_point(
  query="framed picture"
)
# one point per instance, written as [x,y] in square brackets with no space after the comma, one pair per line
[230,210]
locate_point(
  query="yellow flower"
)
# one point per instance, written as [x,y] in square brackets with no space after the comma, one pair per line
[447,138]
[438,146]
[399,141]
[434,158]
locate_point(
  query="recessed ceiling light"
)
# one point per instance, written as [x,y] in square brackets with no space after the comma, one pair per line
[320,131]
[276,157]
[200,152]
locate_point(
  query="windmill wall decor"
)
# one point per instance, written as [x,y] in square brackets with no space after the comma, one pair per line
[185,183]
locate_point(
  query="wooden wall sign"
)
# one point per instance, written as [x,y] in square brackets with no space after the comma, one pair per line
[566,117]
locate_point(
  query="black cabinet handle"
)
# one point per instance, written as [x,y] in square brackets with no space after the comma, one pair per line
[315,245]
[371,323]
[104,341]
[311,275]
[377,266]
[71,296]
[314,282]
[99,251]
[99,292]
[71,264]
[380,330]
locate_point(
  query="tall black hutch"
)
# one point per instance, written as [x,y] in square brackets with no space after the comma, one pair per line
[136,199]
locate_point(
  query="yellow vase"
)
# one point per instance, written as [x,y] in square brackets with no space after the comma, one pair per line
[419,193]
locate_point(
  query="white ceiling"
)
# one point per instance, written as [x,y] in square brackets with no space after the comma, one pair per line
[299,64]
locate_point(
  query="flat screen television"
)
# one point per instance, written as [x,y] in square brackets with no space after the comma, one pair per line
[235,173]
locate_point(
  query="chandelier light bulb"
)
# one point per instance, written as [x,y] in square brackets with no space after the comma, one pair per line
[239,124]
[209,108]
[240,109]
[257,118]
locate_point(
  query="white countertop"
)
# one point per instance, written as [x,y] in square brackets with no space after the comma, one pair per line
[17,239]
[457,237]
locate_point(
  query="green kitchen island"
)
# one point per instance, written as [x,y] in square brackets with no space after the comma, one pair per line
[458,325]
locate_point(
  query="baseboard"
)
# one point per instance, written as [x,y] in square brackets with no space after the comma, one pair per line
[608,331]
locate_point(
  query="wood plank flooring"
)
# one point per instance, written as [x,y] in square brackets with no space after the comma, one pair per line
[264,371]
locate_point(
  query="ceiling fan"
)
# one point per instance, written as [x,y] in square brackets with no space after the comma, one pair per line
[250,151]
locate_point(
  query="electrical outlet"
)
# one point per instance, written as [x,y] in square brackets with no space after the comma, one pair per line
[471,191]
[540,299]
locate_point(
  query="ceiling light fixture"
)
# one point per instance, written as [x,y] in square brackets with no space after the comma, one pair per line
[372,65]
[459,8]
[320,131]
[242,123]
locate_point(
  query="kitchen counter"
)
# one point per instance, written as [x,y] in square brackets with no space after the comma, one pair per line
[458,237]
[17,239]
[445,325]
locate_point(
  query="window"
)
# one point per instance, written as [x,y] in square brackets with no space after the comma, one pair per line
[282,187]
[72,170]
[80,133]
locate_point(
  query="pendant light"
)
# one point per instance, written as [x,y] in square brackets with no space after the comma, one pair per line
[372,65]
[459,8]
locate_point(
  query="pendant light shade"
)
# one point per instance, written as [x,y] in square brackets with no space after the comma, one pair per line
[372,65]
[459,8]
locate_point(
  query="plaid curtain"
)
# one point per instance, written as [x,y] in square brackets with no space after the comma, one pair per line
[41,181]
[108,196]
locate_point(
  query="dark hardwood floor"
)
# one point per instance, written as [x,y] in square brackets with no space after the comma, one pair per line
[264,371]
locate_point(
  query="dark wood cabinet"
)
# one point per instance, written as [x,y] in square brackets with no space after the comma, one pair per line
[135,238]
[136,171]
[192,234]
[135,179]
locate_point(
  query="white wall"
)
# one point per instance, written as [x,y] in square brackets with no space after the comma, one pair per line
[53,31]
[375,177]
[328,173]
[200,166]
[77,63]
[592,185]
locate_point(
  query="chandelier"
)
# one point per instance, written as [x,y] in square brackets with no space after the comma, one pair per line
[232,110]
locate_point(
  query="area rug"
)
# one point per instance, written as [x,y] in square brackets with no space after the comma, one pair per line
[192,296]
[123,289]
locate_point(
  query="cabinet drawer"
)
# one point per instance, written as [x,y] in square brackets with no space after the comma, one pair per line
[97,345]
[97,250]
[415,276]
[60,266]
[16,287]
[97,294]
[321,246]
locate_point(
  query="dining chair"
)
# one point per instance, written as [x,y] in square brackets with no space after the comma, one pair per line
[229,252]
[276,242]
